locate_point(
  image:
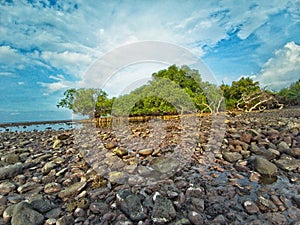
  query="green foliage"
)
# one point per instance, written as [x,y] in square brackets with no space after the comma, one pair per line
[86,101]
[290,95]
[238,89]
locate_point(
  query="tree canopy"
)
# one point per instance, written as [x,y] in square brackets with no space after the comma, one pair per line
[178,90]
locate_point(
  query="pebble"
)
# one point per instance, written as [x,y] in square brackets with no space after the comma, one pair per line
[50,176]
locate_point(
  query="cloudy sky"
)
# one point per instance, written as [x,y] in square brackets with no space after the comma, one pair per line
[47,46]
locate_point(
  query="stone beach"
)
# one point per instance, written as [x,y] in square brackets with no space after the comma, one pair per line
[242,169]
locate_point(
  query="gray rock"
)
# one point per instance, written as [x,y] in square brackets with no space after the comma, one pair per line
[10,171]
[250,207]
[195,218]
[7,187]
[283,146]
[163,210]
[99,208]
[232,156]
[117,177]
[133,208]
[41,205]
[287,163]
[24,214]
[264,167]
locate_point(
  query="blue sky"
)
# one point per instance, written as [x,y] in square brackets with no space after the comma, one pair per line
[47,46]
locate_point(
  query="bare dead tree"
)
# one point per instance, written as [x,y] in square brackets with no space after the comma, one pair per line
[258,100]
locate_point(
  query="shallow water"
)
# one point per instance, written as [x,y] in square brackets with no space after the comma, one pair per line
[42,127]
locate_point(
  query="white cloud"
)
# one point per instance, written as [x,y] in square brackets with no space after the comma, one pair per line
[60,84]
[21,83]
[282,69]
[71,62]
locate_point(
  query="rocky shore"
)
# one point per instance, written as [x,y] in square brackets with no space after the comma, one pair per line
[242,169]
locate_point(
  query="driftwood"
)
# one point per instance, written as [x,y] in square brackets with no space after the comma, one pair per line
[259,100]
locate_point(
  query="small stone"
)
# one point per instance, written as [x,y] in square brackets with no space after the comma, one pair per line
[133,208]
[79,212]
[146,152]
[250,207]
[120,152]
[7,187]
[195,218]
[57,144]
[246,137]
[111,145]
[232,156]
[99,208]
[41,205]
[72,190]
[283,146]
[288,163]
[48,167]
[163,210]
[27,187]
[52,188]
[10,158]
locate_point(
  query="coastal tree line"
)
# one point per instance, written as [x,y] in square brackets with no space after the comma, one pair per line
[179,90]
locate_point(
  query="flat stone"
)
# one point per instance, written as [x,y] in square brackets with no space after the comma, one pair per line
[288,163]
[120,152]
[146,152]
[164,165]
[232,156]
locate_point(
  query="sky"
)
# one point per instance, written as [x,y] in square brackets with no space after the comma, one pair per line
[48,46]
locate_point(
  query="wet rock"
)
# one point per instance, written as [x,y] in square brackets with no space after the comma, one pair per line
[10,171]
[264,167]
[52,188]
[24,214]
[250,207]
[72,190]
[164,165]
[232,156]
[7,187]
[163,210]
